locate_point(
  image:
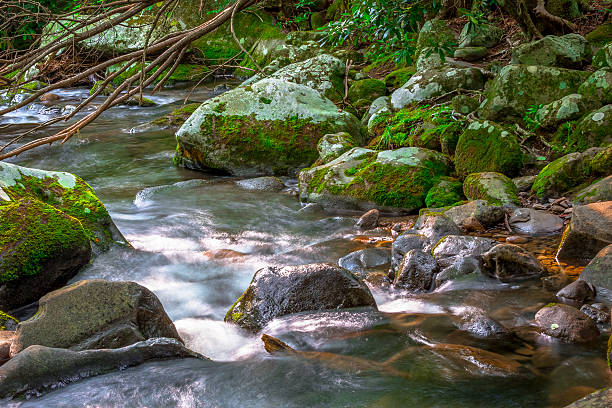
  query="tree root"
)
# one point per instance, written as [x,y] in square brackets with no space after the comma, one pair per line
[541,12]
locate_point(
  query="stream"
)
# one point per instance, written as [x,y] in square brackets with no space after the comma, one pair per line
[185,226]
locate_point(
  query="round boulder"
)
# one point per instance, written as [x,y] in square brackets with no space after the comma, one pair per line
[566,323]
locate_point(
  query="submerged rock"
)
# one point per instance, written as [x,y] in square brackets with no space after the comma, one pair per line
[270,127]
[598,271]
[598,399]
[365,179]
[95,314]
[494,188]
[566,323]
[276,292]
[40,368]
[589,231]
[510,263]
[271,184]
[534,223]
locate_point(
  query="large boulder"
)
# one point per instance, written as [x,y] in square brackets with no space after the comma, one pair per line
[535,223]
[41,248]
[566,323]
[517,87]
[362,261]
[592,131]
[41,368]
[447,191]
[599,271]
[366,90]
[436,82]
[494,188]
[331,146]
[364,179]
[67,193]
[510,263]
[589,231]
[276,292]
[600,190]
[485,213]
[95,314]
[570,107]
[488,146]
[568,51]
[598,87]
[269,127]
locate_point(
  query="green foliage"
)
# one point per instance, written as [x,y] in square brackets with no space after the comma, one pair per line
[530,117]
[389,26]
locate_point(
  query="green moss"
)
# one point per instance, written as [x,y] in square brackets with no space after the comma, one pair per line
[399,77]
[32,233]
[447,192]
[220,108]
[366,89]
[601,35]
[5,318]
[177,117]
[495,188]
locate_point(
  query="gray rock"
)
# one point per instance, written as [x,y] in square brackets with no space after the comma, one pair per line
[597,399]
[576,293]
[331,146]
[570,107]
[279,291]
[600,190]
[471,53]
[270,184]
[598,87]
[589,231]
[566,323]
[359,262]
[416,271]
[460,269]
[534,222]
[478,323]
[95,314]
[510,263]
[487,214]
[368,220]
[599,312]
[452,248]
[403,244]
[485,35]
[493,187]
[434,227]
[567,51]
[311,208]
[523,183]
[598,271]
[39,368]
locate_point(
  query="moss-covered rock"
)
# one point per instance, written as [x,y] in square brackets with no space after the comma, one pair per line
[464,104]
[333,145]
[568,108]
[41,248]
[569,171]
[447,191]
[568,51]
[436,82]
[399,77]
[7,322]
[592,131]
[600,190]
[598,87]
[495,188]
[365,179]
[488,146]
[67,193]
[366,89]
[517,87]
[270,127]
[603,57]
[484,35]
[177,117]
[108,89]
[601,35]
[471,53]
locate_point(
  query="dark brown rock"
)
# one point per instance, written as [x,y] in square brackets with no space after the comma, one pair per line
[576,293]
[369,220]
[566,323]
[589,231]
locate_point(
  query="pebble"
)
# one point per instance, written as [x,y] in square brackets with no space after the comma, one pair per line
[517,239]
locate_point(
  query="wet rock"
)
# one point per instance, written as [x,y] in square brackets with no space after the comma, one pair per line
[598,399]
[510,263]
[471,53]
[598,271]
[95,314]
[494,188]
[486,35]
[226,132]
[576,293]
[477,322]
[434,227]
[534,223]
[566,323]
[488,147]
[359,262]
[416,271]
[460,269]
[479,362]
[517,239]
[599,312]
[403,244]
[50,98]
[368,220]
[600,190]
[589,231]
[519,86]
[436,82]
[487,214]
[365,179]
[567,51]
[269,184]
[311,208]
[279,291]
[42,248]
[40,368]
[331,146]
[453,248]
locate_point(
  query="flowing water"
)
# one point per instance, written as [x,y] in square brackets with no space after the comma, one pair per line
[184,227]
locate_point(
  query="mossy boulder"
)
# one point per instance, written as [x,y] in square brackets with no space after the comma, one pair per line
[464,104]
[484,35]
[567,51]
[276,292]
[488,146]
[399,77]
[567,172]
[600,190]
[271,127]
[95,314]
[471,53]
[601,35]
[495,188]
[366,89]
[7,322]
[364,179]
[41,248]
[436,82]
[592,131]
[517,87]
[333,145]
[598,87]
[176,118]
[65,192]
[603,57]
[447,191]
[568,108]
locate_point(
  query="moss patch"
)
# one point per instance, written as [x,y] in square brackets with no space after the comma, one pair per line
[177,117]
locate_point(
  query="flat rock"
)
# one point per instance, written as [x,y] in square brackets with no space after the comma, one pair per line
[487,214]
[270,184]
[535,223]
